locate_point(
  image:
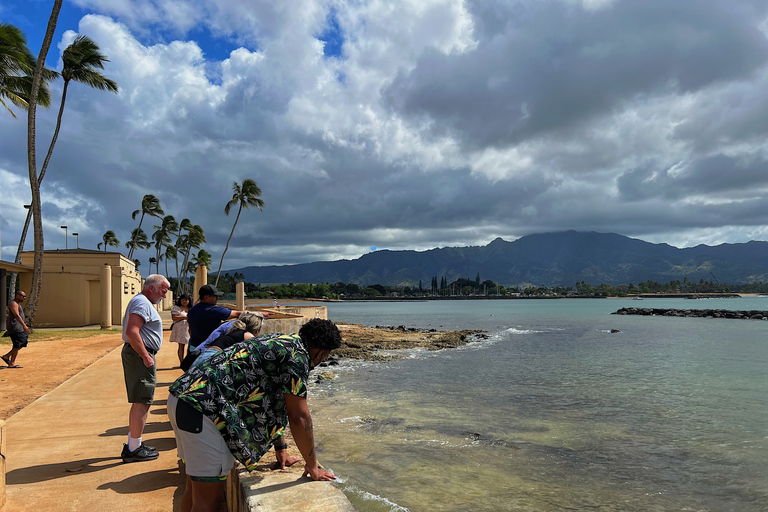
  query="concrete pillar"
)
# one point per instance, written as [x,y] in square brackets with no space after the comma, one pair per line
[106,297]
[240,291]
[168,301]
[201,279]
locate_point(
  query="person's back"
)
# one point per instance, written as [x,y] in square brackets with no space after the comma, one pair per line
[205,316]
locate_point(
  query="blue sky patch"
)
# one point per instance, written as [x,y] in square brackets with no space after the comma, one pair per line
[332,36]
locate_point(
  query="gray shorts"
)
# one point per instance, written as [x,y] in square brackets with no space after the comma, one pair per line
[140,381]
[205,454]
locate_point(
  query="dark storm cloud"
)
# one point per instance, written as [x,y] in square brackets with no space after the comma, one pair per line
[543,67]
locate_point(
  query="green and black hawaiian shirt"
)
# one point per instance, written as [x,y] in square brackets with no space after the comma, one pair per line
[241,390]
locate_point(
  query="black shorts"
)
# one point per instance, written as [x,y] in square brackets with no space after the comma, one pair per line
[19,339]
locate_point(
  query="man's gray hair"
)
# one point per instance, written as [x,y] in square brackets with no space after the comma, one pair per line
[155,280]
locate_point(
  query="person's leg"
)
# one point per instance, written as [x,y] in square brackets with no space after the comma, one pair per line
[137,419]
[186,500]
[10,357]
[181,352]
[206,495]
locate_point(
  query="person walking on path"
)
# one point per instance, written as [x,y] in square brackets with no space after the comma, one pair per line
[180,328]
[237,404]
[143,335]
[17,329]
[206,315]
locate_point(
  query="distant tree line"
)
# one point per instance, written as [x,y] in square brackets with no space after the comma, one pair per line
[462,287]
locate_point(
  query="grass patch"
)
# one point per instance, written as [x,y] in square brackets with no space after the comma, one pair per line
[56,334]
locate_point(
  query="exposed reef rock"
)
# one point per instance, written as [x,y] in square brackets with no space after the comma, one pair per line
[368,343]
[695,313]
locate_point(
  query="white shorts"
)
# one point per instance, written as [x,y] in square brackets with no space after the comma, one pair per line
[206,456]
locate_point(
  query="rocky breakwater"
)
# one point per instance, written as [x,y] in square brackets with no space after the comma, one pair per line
[695,313]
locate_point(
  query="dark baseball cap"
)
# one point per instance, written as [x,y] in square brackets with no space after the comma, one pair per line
[209,290]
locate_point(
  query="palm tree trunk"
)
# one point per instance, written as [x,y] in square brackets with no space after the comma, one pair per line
[133,239]
[39,181]
[34,184]
[55,132]
[227,246]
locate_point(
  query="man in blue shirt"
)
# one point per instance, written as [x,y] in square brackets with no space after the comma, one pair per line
[205,316]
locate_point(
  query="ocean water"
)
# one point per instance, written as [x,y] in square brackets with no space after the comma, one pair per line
[553,411]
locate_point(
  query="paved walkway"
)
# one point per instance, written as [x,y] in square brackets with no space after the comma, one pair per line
[63,450]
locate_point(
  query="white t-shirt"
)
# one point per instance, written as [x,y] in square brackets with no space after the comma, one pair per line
[152,331]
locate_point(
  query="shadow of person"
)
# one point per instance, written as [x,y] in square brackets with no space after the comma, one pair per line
[146,482]
[151,428]
[46,472]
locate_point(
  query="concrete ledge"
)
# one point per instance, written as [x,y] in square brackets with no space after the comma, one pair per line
[282,491]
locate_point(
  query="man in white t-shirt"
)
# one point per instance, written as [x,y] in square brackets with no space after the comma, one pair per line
[143,335]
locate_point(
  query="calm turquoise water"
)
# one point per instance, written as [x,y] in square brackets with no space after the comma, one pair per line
[554,412]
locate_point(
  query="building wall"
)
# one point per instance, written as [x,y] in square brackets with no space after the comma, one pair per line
[71,294]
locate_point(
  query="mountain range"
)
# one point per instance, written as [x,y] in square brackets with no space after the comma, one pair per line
[549,259]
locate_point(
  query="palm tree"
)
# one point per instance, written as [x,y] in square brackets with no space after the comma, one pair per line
[109,238]
[192,240]
[30,310]
[151,261]
[138,240]
[179,245]
[149,205]
[17,64]
[246,196]
[170,254]
[162,235]
[81,60]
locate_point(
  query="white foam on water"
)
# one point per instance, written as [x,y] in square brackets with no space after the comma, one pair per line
[514,330]
[367,496]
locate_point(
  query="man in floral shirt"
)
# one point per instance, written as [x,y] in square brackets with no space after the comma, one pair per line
[236,405]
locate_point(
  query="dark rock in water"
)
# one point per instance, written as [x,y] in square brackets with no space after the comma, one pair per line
[695,313]
[615,330]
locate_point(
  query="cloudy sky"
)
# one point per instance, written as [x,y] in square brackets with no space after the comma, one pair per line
[403,124]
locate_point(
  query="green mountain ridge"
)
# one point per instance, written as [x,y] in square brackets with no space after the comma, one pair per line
[548,259]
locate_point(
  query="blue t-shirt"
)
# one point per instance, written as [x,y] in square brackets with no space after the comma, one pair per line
[152,331]
[203,319]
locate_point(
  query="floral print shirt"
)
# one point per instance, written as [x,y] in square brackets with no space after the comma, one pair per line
[241,390]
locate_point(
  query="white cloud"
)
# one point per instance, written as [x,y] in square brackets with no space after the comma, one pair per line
[442,122]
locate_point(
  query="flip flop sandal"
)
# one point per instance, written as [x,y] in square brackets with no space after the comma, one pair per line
[8,362]
[15,366]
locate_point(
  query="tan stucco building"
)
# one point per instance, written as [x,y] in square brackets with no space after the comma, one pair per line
[75,287]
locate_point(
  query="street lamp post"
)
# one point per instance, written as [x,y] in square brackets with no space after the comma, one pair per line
[77,236]
[66,245]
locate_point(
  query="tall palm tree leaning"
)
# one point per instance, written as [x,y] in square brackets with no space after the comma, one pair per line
[81,61]
[30,310]
[17,65]
[246,195]
[149,205]
[162,236]
[138,239]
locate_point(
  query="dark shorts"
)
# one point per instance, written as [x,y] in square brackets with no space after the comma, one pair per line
[140,381]
[19,339]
